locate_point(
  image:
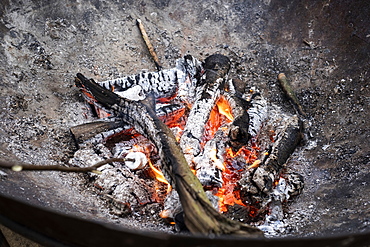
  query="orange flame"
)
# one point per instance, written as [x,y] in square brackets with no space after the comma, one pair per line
[228,194]
[255,164]
[159,176]
[220,114]
[224,108]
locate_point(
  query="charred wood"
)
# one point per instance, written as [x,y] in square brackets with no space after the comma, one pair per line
[258,183]
[96,130]
[239,129]
[209,90]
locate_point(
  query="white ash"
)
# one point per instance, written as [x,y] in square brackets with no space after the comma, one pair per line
[3,174]
[124,186]
[258,114]
[85,158]
[209,164]
[274,223]
[134,93]
[172,205]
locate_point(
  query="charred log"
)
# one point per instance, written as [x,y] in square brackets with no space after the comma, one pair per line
[257,184]
[208,92]
[84,132]
[239,129]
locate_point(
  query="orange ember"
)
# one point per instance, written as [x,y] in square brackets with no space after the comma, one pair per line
[220,114]
[174,119]
[229,194]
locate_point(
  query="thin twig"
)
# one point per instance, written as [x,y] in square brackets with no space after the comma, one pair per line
[288,89]
[19,166]
[149,44]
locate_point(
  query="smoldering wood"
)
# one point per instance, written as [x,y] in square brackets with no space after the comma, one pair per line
[181,80]
[116,182]
[209,163]
[258,113]
[258,183]
[206,99]
[200,216]
[239,129]
[207,93]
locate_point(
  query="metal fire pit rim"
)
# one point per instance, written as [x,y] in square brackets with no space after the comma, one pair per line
[24,218]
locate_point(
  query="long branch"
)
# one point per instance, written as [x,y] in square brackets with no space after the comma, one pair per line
[19,166]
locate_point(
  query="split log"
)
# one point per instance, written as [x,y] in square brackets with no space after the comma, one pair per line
[200,216]
[239,129]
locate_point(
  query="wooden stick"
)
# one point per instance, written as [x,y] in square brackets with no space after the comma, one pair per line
[19,166]
[287,88]
[148,44]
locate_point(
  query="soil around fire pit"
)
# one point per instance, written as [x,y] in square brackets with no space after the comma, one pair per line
[323,48]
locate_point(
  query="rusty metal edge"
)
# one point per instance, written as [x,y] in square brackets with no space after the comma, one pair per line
[52,228]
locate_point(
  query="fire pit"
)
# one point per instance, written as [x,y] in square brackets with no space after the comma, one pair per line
[46,44]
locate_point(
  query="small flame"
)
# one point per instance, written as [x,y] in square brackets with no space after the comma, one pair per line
[220,114]
[255,164]
[159,176]
[224,108]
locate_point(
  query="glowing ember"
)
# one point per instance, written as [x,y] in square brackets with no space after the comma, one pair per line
[229,193]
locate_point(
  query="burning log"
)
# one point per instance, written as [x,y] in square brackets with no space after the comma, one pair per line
[258,183]
[164,84]
[200,216]
[207,94]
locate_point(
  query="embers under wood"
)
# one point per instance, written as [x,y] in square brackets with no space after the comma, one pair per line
[224,134]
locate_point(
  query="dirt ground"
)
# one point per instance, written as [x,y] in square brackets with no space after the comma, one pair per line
[323,47]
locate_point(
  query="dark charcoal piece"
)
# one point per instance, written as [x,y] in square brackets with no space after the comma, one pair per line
[86,131]
[286,142]
[217,62]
